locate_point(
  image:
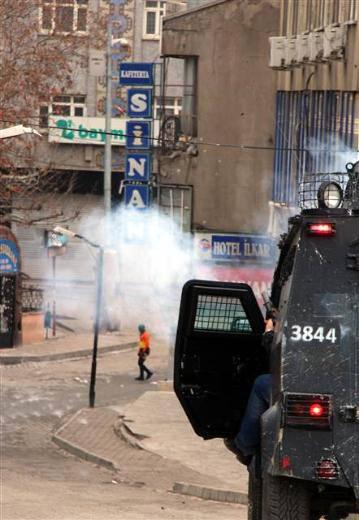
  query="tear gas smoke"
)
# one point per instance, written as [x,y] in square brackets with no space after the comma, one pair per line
[147,259]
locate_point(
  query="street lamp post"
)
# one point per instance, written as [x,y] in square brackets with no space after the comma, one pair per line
[71,234]
[92,393]
[108,115]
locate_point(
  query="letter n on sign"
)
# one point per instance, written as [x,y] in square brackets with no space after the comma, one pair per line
[138,167]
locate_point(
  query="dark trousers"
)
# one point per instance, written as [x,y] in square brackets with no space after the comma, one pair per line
[248,437]
[142,366]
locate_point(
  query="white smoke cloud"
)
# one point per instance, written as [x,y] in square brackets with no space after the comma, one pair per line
[147,260]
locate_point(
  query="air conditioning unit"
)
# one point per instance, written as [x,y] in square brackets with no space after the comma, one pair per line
[277,52]
[316,46]
[302,44]
[290,52]
[335,39]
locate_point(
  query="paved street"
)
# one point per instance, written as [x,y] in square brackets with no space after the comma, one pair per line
[40,481]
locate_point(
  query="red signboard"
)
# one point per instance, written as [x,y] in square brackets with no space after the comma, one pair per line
[259,278]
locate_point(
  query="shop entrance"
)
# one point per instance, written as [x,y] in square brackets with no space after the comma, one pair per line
[10,310]
[7,309]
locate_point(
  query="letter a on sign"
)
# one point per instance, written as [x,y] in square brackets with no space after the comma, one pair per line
[136,197]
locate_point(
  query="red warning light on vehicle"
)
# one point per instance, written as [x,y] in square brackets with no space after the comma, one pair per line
[316,410]
[321,229]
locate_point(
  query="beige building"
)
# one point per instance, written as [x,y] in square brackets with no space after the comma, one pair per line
[259,134]
[223,150]
[316,54]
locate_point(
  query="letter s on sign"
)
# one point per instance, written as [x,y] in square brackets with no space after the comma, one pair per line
[139,102]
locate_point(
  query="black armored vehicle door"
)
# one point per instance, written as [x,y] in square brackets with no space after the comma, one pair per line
[218,354]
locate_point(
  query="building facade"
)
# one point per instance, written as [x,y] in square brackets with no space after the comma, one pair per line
[73,124]
[227,115]
[316,56]
[72,147]
[221,147]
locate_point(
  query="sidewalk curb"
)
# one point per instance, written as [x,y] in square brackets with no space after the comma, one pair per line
[83,454]
[183,488]
[15,360]
[126,434]
[219,495]
[76,450]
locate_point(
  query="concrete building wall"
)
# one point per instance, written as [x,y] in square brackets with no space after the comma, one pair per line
[317,116]
[235,96]
[326,74]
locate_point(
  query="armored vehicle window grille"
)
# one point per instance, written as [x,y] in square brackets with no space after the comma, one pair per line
[220,313]
[308,188]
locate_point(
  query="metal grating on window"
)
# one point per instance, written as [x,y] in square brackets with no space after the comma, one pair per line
[314,131]
[220,313]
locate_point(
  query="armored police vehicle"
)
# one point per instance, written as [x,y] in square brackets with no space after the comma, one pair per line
[307,465]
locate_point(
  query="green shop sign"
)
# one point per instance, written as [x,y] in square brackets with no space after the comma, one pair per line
[85,130]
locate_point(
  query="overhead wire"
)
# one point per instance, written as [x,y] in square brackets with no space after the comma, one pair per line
[197,142]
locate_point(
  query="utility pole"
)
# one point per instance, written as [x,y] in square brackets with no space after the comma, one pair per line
[108,115]
[108,151]
[97,322]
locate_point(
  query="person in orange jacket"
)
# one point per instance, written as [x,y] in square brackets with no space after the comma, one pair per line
[143,352]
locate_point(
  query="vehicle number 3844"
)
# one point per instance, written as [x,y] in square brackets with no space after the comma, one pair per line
[308,333]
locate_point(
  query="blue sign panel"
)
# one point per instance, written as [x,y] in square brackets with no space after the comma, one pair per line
[138,135]
[251,248]
[56,239]
[138,167]
[139,102]
[137,196]
[136,74]
[9,257]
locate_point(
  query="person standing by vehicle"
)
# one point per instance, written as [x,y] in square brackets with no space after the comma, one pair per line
[143,352]
[247,440]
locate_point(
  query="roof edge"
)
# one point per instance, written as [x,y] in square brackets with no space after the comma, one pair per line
[207,5]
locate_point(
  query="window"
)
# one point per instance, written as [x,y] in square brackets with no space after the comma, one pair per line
[354,10]
[68,106]
[284,19]
[190,95]
[294,21]
[152,20]
[63,16]
[322,117]
[302,17]
[220,313]
[172,107]
[349,11]
[319,14]
[176,203]
[335,12]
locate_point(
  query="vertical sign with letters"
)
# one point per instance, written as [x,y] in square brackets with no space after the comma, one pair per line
[139,78]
